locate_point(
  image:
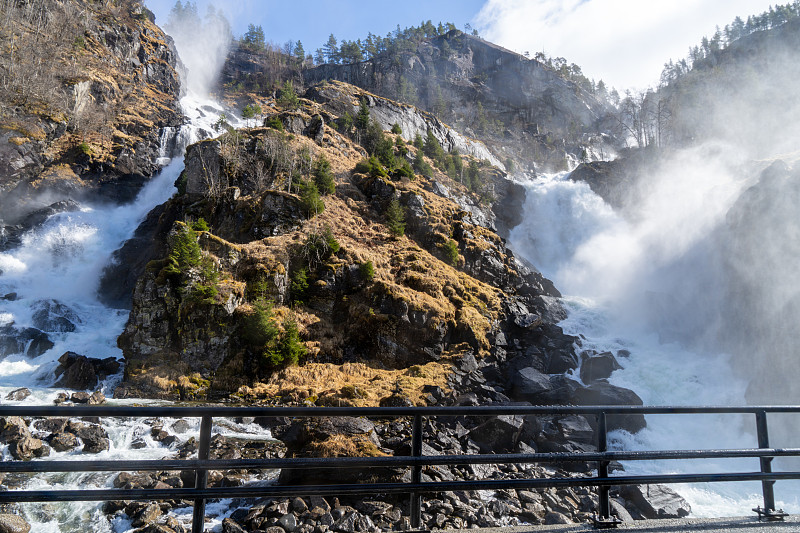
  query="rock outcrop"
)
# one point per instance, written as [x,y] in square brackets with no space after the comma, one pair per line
[98,130]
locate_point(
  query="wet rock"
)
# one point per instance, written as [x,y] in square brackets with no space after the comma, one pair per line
[77,371]
[146,516]
[18,395]
[62,442]
[656,501]
[50,425]
[80,397]
[11,523]
[30,341]
[606,394]
[61,397]
[54,316]
[96,398]
[28,448]
[598,367]
[13,428]
[229,526]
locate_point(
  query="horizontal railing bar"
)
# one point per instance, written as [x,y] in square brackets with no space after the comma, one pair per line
[378,412]
[394,461]
[380,488]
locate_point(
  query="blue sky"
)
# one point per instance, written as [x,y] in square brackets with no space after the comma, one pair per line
[623,42]
[312,21]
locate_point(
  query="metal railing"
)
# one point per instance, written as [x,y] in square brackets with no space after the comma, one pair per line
[201,492]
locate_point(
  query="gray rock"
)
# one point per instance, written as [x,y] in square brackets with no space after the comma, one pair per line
[288,522]
[656,501]
[606,394]
[229,526]
[18,395]
[498,434]
[11,523]
[528,384]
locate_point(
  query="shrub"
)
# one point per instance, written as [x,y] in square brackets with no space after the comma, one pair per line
[200,225]
[372,167]
[396,129]
[450,250]
[274,122]
[289,349]
[181,181]
[298,288]
[395,218]
[320,246]
[405,171]
[311,201]
[287,97]
[184,254]
[367,270]
[422,166]
[401,147]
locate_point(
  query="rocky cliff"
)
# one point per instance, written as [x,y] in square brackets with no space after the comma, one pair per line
[91,122]
[521,109]
[382,313]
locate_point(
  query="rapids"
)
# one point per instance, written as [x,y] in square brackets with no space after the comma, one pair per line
[613,272]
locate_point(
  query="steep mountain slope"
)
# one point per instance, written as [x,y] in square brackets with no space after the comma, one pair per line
[86,91]
[518,107]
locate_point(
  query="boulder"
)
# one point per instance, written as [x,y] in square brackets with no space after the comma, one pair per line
[11,523]
[62,442]
[529,384]
[601,393]
[498,434]
[13,428]
[18,395]
[598,367]
[27,448]
[54,316]
[77,371]
[656,501]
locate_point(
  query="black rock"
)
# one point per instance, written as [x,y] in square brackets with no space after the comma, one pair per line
[598,367]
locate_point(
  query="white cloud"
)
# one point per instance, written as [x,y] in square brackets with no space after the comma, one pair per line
[624,42]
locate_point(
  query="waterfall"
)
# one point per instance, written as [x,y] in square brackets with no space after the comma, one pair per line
[49,305]
[646,286]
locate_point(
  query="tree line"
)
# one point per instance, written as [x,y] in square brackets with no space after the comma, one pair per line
[722,38]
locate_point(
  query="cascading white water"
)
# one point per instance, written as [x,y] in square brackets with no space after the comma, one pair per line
[58,267]
[646,285]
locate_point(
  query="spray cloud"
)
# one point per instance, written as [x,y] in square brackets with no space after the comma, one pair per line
[202,44]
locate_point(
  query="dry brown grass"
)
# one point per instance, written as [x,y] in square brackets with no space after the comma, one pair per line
[326,381]
[344,446]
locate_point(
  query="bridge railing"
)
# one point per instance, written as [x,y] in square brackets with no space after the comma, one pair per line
[200,493]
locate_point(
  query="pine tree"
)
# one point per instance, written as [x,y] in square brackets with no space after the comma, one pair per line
[323,177]
[362,118]
[331,50]
[300,52]
[395,218]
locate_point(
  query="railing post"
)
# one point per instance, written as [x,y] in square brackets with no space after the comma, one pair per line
[602,468]
[767,486]
[201,476]
[416,472]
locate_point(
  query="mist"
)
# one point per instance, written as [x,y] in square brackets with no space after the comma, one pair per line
[705,252]
[202,44]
